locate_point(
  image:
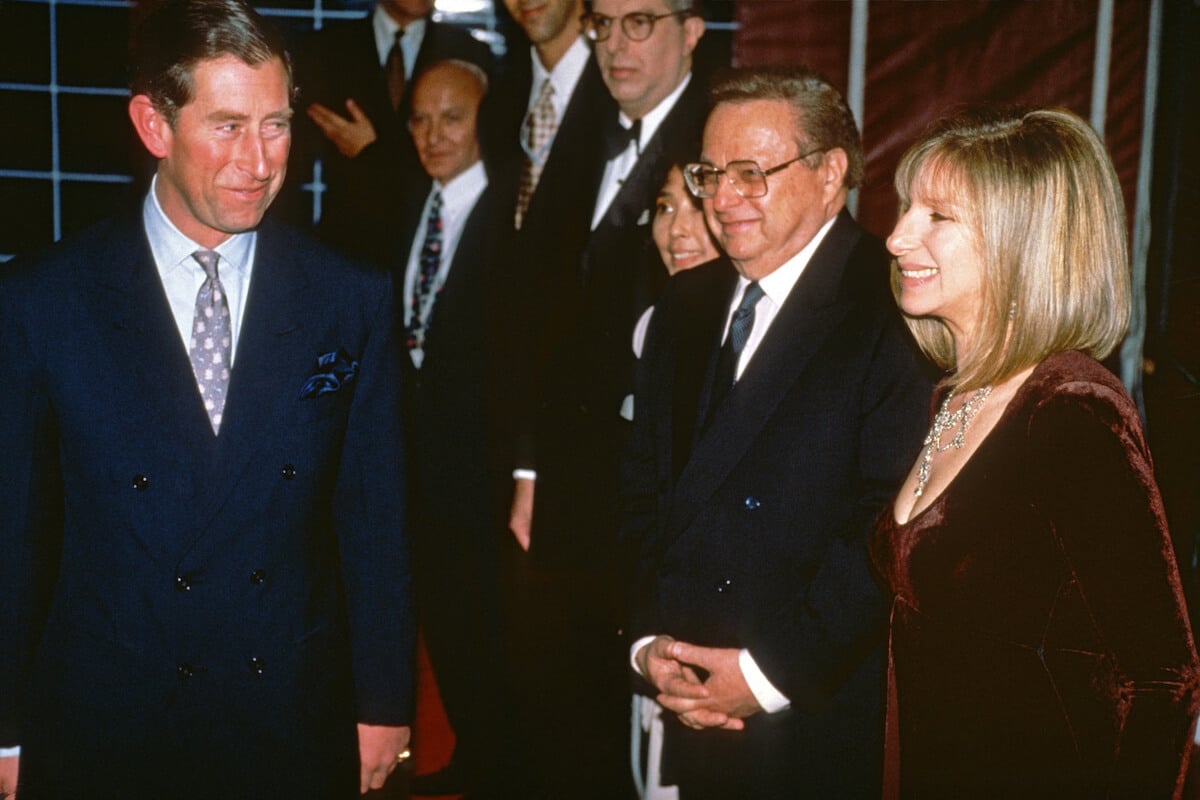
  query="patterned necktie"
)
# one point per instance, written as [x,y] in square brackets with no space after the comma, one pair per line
[538,130]
[211,345]
[396,78]
[731,352]
[430,261]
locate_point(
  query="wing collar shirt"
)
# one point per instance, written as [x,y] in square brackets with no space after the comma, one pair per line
[458,199]
[385,35]
[618,169]
[182,275]
[776,288]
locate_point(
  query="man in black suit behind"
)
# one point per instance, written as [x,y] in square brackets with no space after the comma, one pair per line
[450,285]
[204,581]
[778,410]
[357,113]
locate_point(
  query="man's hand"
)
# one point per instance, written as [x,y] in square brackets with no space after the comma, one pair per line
[672,678]
[349,136]
[8,776]
[728,700]
[520,516]
[378,749]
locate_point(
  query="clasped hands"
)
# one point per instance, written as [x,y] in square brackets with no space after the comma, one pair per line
[720,699]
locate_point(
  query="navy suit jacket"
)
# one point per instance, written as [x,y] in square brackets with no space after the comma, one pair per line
[208,613]
[751,534]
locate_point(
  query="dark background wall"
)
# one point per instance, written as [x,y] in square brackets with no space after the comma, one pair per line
[68,154]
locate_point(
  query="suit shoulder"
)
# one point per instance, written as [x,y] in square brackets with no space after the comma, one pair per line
[450,41]
[322,263]
[62,262]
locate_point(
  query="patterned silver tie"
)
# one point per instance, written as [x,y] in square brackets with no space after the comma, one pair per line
[211,345]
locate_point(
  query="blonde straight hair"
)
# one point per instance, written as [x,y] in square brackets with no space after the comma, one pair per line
[1040,196]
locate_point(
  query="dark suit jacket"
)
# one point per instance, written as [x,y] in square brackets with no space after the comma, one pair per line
[365,194]
[753,533]
[449,402]
[583,354]
[223,608]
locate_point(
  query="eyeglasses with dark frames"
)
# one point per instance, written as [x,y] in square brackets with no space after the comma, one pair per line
[747,178]
[638,26]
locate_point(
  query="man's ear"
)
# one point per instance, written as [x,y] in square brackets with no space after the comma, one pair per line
[151,126]
[693,29]
[836,164]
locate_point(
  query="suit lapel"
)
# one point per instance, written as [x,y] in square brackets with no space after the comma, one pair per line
[131,294]
[262,374]
[809,315]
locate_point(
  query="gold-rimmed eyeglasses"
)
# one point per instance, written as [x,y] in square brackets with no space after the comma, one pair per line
[747,178]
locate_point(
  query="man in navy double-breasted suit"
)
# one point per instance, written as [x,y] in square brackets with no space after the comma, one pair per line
[204,581]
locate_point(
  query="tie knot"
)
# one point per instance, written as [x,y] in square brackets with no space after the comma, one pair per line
[547,92]
[750,297]
[435,203]
[397,38]
[207,259]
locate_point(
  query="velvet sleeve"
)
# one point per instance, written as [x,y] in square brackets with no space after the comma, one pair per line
[1091,480]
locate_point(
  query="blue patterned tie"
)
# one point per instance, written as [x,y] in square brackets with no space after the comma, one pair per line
[211,345]
[731,352]
[424,287]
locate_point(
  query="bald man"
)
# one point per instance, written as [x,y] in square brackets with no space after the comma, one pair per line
[454,513]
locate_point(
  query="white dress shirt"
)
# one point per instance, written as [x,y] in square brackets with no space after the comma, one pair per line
[182,275]
[563,78]
[776,288]
[458,199]
[618,168]
[385,35]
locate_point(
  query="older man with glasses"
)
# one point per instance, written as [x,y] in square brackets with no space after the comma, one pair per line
[773,423]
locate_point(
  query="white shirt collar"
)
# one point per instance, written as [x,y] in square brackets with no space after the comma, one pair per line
[173,250]
[385,33]
[779,284]
[564,77]
[656,115]
[463,189]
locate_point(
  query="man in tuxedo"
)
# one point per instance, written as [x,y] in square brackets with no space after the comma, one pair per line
[780,405]
[456,510]
[573,369]
[205,578]
[357,81]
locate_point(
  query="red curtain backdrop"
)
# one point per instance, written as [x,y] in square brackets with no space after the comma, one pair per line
[925,58]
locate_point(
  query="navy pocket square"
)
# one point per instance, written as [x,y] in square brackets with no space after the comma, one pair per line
[333,371]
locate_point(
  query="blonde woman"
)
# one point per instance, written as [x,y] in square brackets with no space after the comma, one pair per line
[1040,644]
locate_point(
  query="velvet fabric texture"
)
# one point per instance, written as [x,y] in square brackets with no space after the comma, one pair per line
[1040,645]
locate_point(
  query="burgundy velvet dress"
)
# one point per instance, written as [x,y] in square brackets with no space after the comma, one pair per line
[1039,643]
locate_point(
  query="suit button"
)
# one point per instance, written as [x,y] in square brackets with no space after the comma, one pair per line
[257,666]
[140,482]
[724,585]
[182,584]
[288,472]
[258,577]
[184,671]
[751,503]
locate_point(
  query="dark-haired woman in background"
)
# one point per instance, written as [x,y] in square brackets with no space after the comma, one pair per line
[1040,645]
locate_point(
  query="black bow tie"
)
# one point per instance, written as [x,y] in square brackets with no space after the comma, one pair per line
[617,138]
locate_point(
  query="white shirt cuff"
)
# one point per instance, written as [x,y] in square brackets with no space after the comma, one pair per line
[525,474]
[770,698]
[633,651]
[9,752]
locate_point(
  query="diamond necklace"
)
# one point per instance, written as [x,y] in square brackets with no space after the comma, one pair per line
[943,421]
